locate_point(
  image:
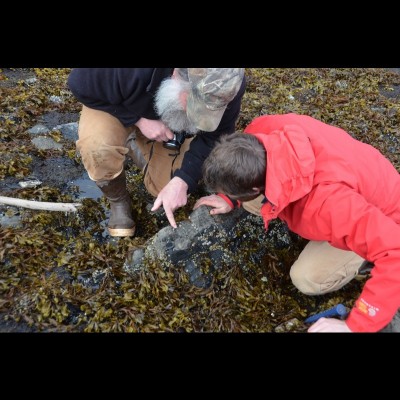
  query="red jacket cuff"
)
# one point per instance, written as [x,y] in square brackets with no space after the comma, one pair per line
[232,203]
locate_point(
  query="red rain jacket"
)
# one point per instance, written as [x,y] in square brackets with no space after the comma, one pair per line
[328,186]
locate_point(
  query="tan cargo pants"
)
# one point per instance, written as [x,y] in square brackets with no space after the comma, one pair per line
[103,147]
[320,267]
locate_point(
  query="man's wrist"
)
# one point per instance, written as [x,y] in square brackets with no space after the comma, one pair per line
[179,181]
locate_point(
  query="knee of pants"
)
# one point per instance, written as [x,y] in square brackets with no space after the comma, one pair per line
[316,282]
[305,281]
[102,161]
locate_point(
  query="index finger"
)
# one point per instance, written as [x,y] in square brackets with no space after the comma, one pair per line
[170,216]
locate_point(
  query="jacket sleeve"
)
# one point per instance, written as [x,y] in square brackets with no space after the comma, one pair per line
[121,92]
[351,223]
[202,144]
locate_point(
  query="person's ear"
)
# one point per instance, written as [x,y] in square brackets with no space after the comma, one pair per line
[256,190]
[183,99]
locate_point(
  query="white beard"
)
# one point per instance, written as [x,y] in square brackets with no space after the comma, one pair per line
[170,108]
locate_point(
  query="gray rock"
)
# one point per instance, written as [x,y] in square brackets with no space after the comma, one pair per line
[38,129]
[54,118]
[204,244]
[45,143]
[62,274]
[9,325]
[93,280]
[9,218]
[31,81]
[288,326]
[57,171]
[69,131]
[134,261]
[394,325]
[30,183]
[55,99]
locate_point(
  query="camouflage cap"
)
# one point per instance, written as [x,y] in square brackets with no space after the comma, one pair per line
[212,89]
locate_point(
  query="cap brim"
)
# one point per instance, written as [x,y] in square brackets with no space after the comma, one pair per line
[202,117]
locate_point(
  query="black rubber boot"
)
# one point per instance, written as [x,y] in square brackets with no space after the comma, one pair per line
[121,221]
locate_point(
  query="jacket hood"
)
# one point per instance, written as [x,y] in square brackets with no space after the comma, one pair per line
[290,164]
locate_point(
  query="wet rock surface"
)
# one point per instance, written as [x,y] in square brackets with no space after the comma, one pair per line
[55,170]
[205,243]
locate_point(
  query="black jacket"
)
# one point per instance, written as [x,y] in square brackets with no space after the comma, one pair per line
[128,94]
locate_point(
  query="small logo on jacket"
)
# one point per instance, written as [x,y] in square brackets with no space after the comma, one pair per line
[366,308]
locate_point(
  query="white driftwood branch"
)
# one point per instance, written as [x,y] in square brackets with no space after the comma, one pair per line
[39,205]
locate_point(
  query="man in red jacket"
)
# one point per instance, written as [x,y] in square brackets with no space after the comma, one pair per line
[341,194]
[147,113]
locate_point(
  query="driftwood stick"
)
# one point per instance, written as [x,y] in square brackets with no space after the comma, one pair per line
[39,205]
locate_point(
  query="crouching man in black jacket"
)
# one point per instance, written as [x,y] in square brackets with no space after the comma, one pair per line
[166,119]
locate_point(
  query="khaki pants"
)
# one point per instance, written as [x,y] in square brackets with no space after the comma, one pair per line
[161,162]
[103,147]
[320,267]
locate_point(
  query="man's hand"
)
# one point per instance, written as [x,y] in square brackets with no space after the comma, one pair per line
[219,204]
[329,325]
[154,130]
[172,196]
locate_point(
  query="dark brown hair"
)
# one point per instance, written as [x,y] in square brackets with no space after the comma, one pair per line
[236,164]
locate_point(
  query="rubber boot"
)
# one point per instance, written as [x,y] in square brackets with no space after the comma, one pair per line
[121,221]
[134,153]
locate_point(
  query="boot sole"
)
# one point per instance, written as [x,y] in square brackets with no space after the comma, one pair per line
[121,232]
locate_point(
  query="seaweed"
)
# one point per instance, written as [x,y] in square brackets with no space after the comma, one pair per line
[61,273]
